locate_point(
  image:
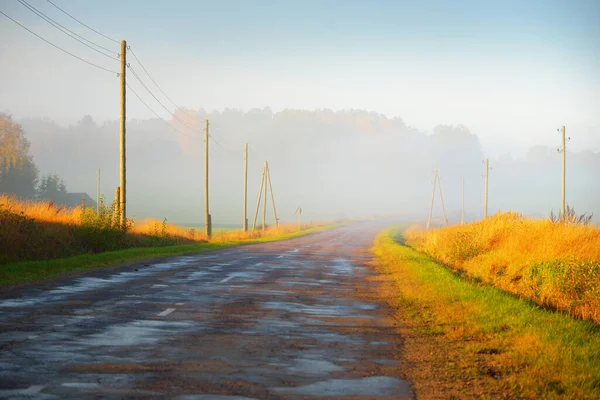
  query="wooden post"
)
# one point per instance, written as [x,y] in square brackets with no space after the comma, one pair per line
[245,216]
[207,219]
[564,177]
[122,184]
[439,181]
[118,203]
[262,182]
[264,217]
[272,197]
[432,197]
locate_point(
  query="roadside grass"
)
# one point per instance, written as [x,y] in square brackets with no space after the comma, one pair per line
[30,271]
[468,340]
[555,265]
[41,231]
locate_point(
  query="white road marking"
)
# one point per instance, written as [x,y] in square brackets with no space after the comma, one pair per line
[281,256]
[166,312]
[160,285]
[179,304]
[228,278]
[294,251]
[259,264]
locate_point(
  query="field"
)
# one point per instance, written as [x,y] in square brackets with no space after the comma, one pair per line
[465,339]
[32,234]
[554,265]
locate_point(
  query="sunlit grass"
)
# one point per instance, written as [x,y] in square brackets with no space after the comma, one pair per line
[505,344]
[555,265]
[40,231]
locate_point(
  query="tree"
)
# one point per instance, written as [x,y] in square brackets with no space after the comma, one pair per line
[18,173]
[53,188]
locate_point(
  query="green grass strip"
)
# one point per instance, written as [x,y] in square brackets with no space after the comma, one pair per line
[30,271]
[542,354]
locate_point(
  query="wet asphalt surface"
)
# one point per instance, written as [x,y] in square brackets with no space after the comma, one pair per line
[281,320]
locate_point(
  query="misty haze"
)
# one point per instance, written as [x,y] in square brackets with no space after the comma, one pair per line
[234,199]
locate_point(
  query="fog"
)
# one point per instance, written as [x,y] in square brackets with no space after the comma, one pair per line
[333,164]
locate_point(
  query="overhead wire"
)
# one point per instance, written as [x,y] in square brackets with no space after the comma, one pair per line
[69,32]
[152,79]
[154,112]
[58,47]
[136,76]
[87,26]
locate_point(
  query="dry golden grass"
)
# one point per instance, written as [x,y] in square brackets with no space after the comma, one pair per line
[32,230]
[555,265]
[45,211]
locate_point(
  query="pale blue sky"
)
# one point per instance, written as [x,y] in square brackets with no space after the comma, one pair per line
[512,71]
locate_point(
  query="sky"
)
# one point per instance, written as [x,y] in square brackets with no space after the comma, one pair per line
[511,71]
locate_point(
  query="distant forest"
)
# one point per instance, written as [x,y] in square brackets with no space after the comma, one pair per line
[334,164]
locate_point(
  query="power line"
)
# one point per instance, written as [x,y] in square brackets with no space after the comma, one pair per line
[153,81]
[66,30]
[87,26]
[136,76]
[154,112]
[59,48]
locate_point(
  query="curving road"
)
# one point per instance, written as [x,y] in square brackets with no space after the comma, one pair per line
[281,320]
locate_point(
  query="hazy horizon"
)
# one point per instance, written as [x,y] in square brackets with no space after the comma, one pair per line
[511,73]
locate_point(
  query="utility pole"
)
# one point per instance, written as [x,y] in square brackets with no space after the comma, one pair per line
[98,193]
[245,217]
[122,185]
[485,194]
[439,181]
[272,197]
[207,221]
[432,197]
[564,176]
[118,202]
[462,218]
[264,218]
[262,182]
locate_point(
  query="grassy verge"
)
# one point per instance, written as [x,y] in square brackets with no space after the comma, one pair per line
[30,271]
[466,340]
[555,265]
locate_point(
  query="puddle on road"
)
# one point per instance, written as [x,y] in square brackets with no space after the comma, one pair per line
[380,386]
[82,285]
[314,367]
[135,333]
[322,310]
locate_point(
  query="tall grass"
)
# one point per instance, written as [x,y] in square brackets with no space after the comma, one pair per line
[32,231]
[555,265]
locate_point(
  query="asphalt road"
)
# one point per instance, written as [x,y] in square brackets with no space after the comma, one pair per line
[281,320]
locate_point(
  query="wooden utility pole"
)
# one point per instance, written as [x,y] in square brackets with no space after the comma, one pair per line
[432,197]
[98,193]
[272,197]
[262,182]
[245,216]
[485,194]
[439,181]
[264,217]
[118,202]
[122,184]
[207,221]
[564,176]
[462,217]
